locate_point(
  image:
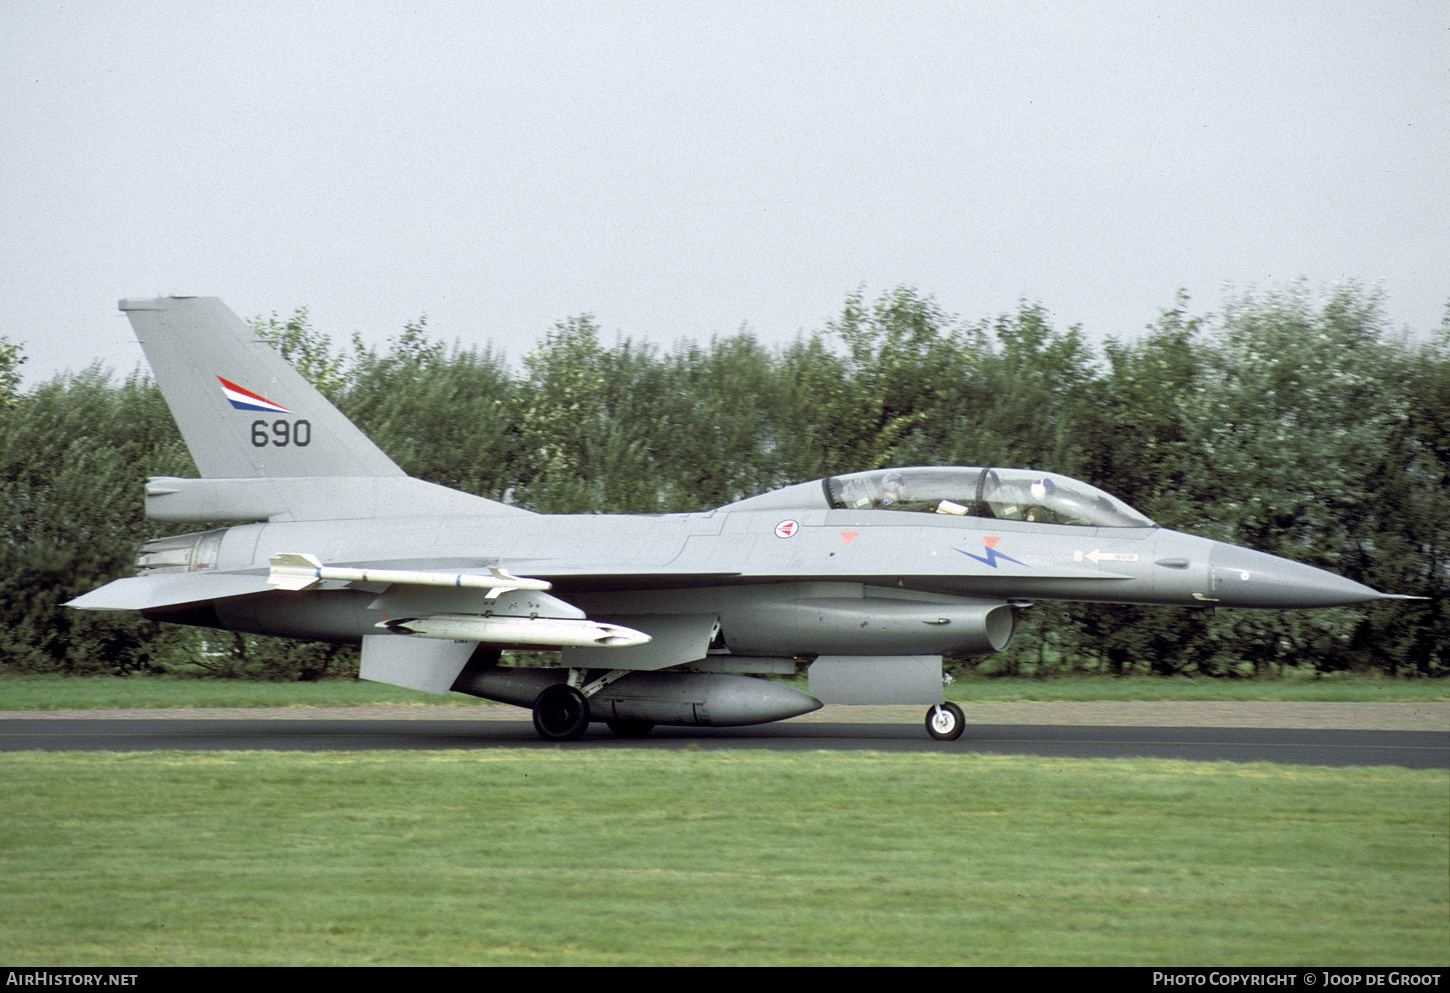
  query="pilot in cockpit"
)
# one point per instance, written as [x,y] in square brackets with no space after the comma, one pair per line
[893,492]
[1042,491]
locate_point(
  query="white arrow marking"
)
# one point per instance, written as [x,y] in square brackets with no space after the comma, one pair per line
[1096,556]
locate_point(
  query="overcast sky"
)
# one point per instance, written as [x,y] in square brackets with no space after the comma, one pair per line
[678,169]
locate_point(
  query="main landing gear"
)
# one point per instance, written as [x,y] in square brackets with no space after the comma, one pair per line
[561,713]
[944,722]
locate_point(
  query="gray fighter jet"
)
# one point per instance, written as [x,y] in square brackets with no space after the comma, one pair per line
[659,619]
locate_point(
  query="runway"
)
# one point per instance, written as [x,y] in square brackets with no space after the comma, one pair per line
[1295,746]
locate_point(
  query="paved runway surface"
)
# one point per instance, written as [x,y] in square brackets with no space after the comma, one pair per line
[1411,749]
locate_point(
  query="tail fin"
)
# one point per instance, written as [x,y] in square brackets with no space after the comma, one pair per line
[242,408]
[269,446]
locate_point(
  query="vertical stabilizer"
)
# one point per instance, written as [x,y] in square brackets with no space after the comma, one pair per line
[242,408]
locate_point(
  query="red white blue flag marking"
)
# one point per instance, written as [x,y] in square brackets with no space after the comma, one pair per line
[247,400]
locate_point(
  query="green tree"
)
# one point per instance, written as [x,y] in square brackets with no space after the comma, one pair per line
[310,351]
[728,425]
[73,455]
[907,366]
[11,359]
[585,419]
[1136,441]
[1023,406]
[447,417]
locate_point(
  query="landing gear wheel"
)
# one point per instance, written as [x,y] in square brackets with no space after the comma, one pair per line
[561,713]
[631,729]
[945,722]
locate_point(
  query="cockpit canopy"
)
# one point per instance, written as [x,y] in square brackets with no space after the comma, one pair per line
[1002,494]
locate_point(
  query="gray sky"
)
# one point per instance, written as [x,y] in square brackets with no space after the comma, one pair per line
[677,169]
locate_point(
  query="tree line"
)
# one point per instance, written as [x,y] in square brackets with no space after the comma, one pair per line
[1300,426]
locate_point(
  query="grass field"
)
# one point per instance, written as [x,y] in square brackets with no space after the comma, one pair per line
[98,692]
[643,857]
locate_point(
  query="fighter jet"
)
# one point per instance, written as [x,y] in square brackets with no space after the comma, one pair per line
[659,619]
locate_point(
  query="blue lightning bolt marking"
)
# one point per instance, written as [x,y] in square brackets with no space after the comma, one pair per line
[991,557]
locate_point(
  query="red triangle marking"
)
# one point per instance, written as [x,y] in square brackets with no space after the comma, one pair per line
[992,540]
[849,536]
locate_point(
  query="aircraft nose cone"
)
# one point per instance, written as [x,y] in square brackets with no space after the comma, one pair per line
[1242,577]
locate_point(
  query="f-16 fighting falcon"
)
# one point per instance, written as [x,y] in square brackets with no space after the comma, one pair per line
[659,619]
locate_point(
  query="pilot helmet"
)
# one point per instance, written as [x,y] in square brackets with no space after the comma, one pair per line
[893,487]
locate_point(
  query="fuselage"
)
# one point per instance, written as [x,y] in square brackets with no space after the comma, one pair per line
[614,564]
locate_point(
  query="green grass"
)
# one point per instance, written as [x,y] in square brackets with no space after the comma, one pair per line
[106,692]
[1342,688]
[101,692]
[567,857]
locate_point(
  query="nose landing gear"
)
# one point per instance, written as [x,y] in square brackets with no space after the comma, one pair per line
[945,721]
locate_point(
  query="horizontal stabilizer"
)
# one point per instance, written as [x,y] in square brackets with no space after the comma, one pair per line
[309,498]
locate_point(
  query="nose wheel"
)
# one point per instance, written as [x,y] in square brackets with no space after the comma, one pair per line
[944,722]
[561,713]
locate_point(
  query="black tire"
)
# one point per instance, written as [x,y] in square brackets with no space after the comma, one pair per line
[561,713]
[631,729]
[945,723]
